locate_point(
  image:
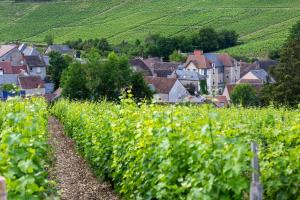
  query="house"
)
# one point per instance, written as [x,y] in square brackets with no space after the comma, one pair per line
[257,75]
[62,49]
[246,67]
[139,65]
[153,67]
[36,66]
[167,89]
[189,78]
[219,69]
[28,50]
[32,85]
[10,53]
[9,74]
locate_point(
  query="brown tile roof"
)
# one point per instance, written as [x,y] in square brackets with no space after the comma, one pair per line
[164,69]
[140,66]
[246,67]
[150,62]
[251,81]
[8,69]
[226,59]
[34,61]
[199,60]
[4,49]
[31,82]
[162,85]
[221,100]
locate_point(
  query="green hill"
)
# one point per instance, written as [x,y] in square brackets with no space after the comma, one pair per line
[262,24]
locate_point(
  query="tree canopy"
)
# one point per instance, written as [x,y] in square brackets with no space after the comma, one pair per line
[244,95]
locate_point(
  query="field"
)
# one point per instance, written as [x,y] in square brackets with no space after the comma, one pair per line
[262,24]
[186,152]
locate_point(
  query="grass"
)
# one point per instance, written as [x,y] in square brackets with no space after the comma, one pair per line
[262,24]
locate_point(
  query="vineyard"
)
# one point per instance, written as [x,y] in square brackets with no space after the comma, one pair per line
[262,25]
[23,149]
[186,152]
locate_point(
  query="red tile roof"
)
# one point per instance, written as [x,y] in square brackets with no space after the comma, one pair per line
[251,81]
[226,60]
[9,69]
[221,100]
[199,60]
[4,49]
[162,85]
[31,82]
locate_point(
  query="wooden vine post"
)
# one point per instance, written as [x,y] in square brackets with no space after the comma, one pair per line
[3,195]
[256,190]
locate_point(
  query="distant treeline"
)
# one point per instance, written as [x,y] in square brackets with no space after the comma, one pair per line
[207,39]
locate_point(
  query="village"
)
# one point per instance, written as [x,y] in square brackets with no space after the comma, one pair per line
[203,77]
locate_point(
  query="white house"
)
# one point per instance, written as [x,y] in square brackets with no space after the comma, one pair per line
[167,89]
[220,69]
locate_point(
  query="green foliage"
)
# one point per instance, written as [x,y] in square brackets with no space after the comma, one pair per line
[24,148]
[244,95]
[99,79]
[176,56]
[185,152]
[49,39]
[206,40]
[9,88]
[57,65]
[286,90]
[262,25]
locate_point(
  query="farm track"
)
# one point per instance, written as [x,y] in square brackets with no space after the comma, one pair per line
[74,178]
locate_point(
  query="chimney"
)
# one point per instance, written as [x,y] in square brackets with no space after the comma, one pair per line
[198,52]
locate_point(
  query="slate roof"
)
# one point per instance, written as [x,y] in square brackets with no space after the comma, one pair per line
[214,58]
[9,69]
[266,64]
[34,61]
[31,82]
[63,49]
[4,49]
[260,74]
[161,84]
[189,75]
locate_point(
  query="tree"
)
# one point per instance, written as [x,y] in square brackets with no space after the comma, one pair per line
[98,79]
[176,56]
[244,95]
[73,82]
[57,65]
[49,39]
[206,39]
[227,39]
[286,90]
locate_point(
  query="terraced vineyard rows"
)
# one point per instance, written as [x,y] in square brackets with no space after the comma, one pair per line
[186,152]
[262,25]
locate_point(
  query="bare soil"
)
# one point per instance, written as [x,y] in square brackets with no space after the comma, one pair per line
[72,174]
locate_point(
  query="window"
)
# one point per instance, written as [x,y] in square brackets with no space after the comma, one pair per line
[194,70]
[214,82]
[31,69]
[205,72]
[1,72]
[38,70]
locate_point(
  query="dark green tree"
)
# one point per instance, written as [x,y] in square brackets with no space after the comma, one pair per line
[57,65]
[244,95]
[286,90]
[206,39]
[227,39]
[73,82]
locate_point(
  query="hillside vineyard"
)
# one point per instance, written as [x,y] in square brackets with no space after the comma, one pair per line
[262,25]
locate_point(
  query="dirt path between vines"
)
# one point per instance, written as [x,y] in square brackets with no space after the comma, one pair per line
[71,172]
